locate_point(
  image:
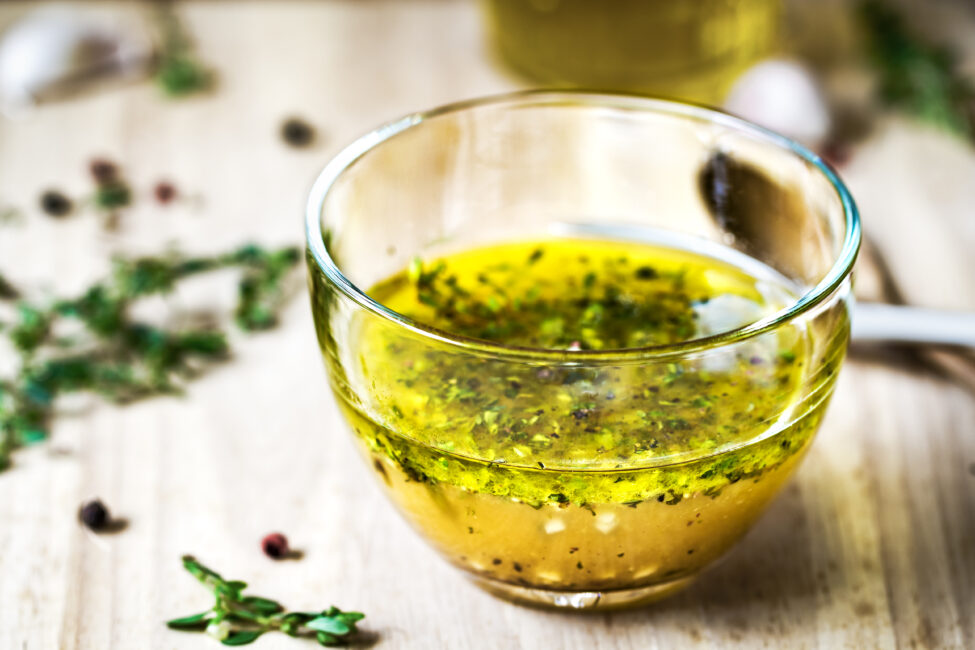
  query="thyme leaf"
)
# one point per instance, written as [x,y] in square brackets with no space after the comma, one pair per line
[236,619]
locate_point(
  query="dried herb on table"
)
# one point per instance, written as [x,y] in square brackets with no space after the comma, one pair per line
[179,72]
[116,356]
[238,619]
[10,215]
[918,77]
[112,196]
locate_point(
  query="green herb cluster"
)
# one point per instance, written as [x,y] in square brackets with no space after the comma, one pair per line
[238,619]
[920,78]
[179,71]
[113,354]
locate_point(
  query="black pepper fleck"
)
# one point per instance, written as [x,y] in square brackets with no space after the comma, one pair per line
[297,133]
[55,203]
[496,561]
[94,515]
[517,567]
[382,470]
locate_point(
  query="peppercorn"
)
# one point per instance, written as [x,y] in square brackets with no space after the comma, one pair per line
[55,203]
[165,192]
[297,132]
[103,171]
[94,515]
[275,545]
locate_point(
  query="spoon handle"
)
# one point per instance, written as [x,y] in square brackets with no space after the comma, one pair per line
[875,322]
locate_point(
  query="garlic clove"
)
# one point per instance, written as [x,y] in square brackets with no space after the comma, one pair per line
[59,50]
[783,96]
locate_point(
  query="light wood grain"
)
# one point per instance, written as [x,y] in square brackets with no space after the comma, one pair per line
[871,545]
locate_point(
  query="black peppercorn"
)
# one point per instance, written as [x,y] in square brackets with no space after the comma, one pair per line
[275,546]
[94,515]
[55,204]
[297,133]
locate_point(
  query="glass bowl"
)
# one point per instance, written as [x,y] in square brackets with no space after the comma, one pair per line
[630,503]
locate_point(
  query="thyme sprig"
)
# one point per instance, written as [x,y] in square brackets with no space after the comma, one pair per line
[918,77]
[114,355]
[238,619]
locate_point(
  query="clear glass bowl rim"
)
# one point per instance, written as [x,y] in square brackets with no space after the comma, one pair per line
[834,278]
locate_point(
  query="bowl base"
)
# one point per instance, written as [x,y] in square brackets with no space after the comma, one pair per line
[582,600]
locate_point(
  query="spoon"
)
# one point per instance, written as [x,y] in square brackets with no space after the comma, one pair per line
[872,322]
[880,323]
[772,219]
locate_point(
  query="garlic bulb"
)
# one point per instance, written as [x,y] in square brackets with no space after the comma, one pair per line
[59,50]
[782,96]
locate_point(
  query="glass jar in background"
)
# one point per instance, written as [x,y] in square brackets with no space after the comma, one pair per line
[690,49]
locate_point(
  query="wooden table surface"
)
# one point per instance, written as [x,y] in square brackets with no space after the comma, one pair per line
[872,544]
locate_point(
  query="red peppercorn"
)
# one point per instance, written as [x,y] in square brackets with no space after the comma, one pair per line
[103,171]
[165,192]
[275,545]
[94,515]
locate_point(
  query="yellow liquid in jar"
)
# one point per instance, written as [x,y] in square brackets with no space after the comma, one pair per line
[686,50]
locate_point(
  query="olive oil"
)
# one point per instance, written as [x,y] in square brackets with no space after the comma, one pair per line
[569,474]
[689,50]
